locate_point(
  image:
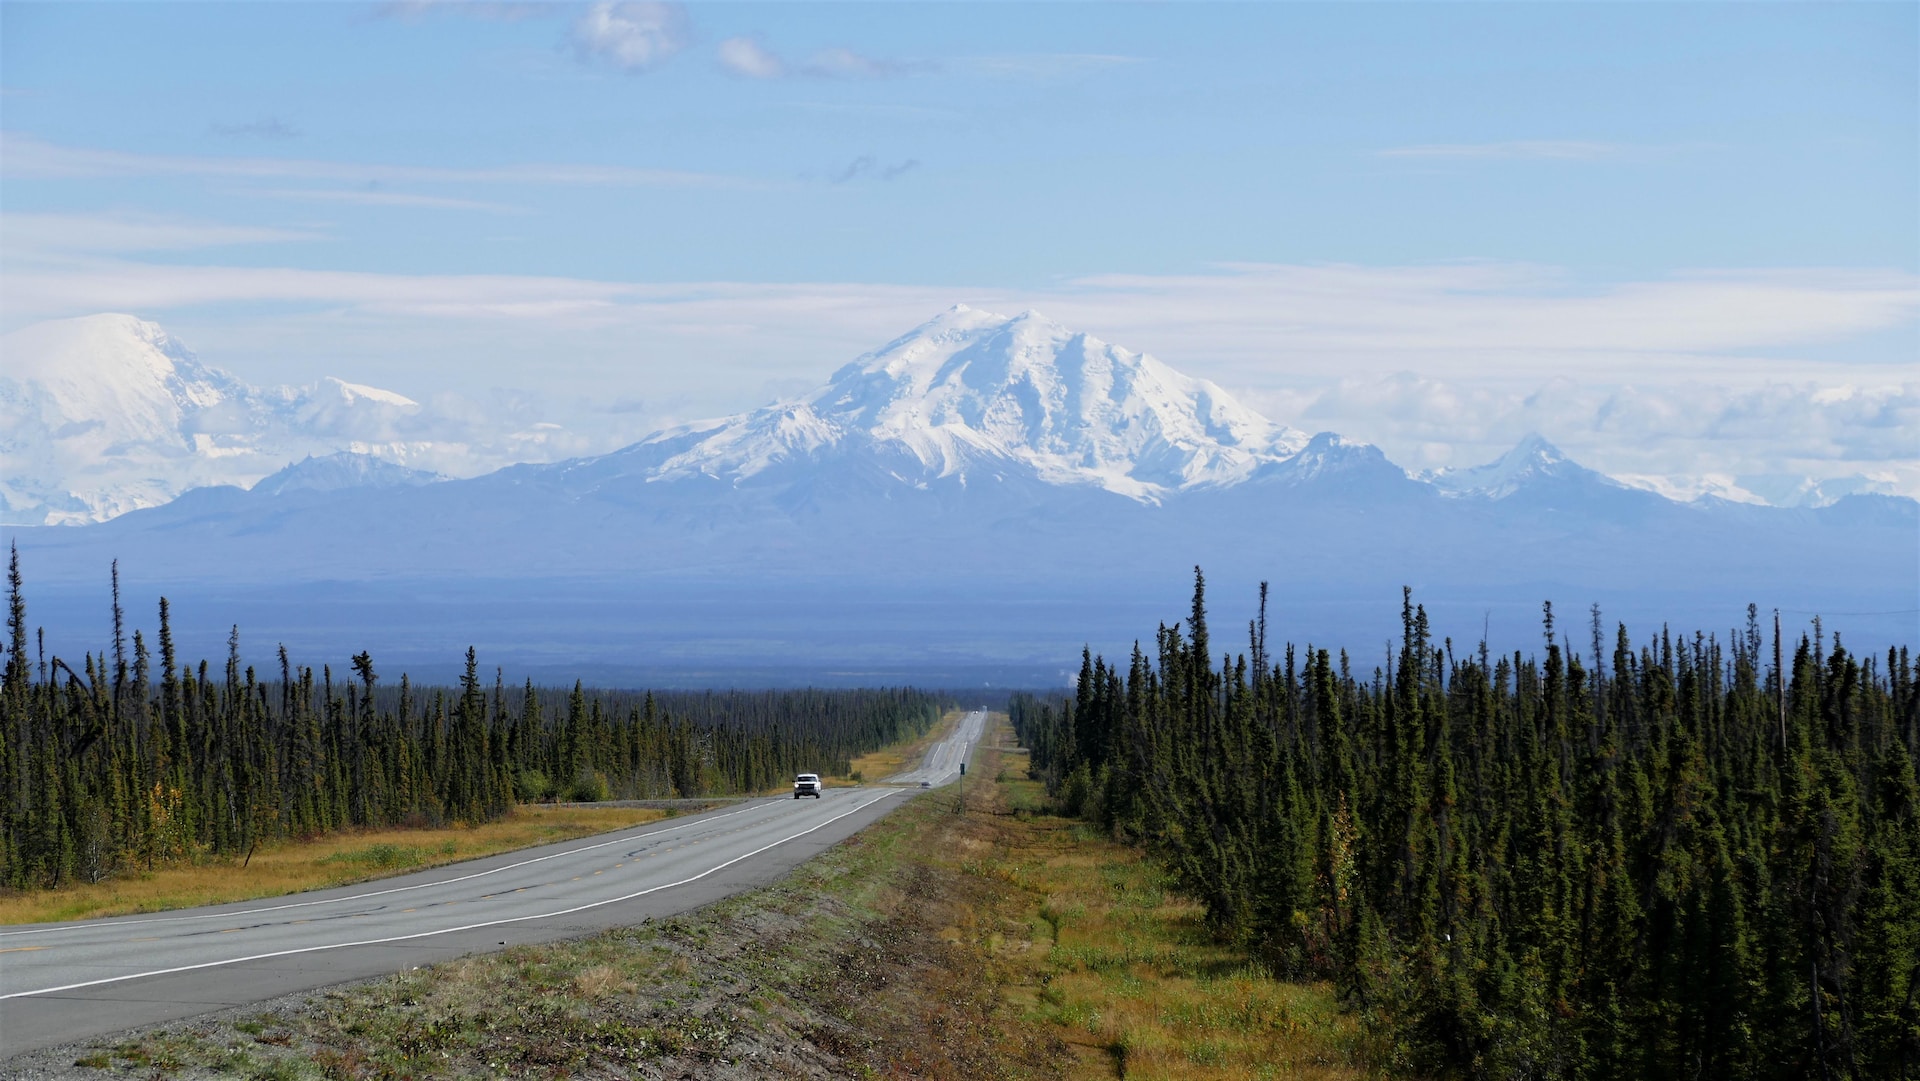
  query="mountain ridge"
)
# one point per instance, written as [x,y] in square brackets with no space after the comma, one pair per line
[982,489]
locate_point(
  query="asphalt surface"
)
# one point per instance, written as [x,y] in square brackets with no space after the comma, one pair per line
[942,763]
[60,983]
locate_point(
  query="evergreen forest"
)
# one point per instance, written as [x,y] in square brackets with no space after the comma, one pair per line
[125,760]
[1683,856]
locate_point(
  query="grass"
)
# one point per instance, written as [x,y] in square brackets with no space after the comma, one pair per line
[356,856]
[997,942]
[887,761]
[1122,969]
[332,860]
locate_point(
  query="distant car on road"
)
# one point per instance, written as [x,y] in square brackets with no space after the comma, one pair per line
[926,784]
[806,784]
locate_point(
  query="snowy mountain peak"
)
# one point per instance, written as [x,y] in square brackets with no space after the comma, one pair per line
[108,413]
[353,393]
[1532,461]
[345,469]
[971,388]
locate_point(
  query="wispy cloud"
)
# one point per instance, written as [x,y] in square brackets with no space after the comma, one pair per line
[634,37]
[267,127]
[1253,323]
[26,236]
[378,197]
[1684,437]
[866,165]
[1728,364]
[745,56]
[489,10]
[24,156]
[844,63]
[1044,66]
[1537,149]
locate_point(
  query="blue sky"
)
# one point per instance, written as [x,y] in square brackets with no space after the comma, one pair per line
[689,209]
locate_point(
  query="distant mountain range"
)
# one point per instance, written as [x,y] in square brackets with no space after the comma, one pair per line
[979,496]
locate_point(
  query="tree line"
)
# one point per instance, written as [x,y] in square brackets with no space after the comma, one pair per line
[1686,857]
[128,760]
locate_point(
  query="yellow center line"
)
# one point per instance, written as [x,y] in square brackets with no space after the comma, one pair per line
[232,930]
[22,949]
[409,910]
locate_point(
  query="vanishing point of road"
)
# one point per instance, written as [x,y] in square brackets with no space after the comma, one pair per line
[61,983]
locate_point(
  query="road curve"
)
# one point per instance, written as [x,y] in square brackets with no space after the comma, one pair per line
[65,982]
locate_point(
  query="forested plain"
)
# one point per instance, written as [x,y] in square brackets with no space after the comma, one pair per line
[1682,856]
[124,760]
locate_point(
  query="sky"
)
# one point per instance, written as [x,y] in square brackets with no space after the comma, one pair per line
[1680,240]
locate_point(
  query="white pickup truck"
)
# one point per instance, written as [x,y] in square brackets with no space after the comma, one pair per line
[806,784]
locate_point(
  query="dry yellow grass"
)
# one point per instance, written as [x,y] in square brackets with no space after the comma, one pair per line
[888,761]
[1123,968]
[332,860]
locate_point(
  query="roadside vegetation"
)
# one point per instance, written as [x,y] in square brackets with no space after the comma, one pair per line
[1694,856]
[998,942]
[136,758]
[878,765]
[292,866]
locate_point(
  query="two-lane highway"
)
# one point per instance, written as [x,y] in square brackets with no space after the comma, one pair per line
[942,763]
[70,981]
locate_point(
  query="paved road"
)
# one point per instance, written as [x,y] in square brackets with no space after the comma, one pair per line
[65,982]
[942,763]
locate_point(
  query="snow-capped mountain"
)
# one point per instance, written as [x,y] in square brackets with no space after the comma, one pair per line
[983,487]
[971,394]
[108,413]
[345,469]
[1533,463]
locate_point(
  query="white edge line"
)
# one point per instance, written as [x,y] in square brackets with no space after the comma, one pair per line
[447,930]
[101,923]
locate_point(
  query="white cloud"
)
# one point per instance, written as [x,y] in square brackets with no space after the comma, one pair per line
[1538,149]
[634,36]
[24,156]
[1249,325]
[415,10]
[379,197]
[1682,436]
[1708,374]
[1261,321]
[745,56]
[25,236]
[843,63]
